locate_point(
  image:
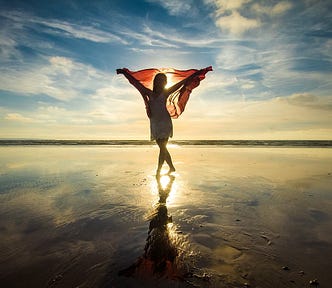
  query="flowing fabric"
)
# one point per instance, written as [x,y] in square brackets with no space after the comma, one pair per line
[177,101]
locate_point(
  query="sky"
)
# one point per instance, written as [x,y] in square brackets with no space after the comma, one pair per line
[271,63]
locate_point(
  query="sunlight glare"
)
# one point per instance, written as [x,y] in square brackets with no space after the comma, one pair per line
[172,145]
[164,180]
[170,81]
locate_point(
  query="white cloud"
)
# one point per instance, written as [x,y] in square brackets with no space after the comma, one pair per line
[59,77]
[64,28]
[147,38]
[52,109]
[264,119]
[215,80]
[309,100]
[176,7]
[117,88]
[235,56]
[62,64]
[79,31]
[277,60]
[171,37]
[236,23]
[44,115]
[229,14]
[278,9]
[224,5]
[327,49]
[281,7]
[166,37]
[228,17]
[30,81]
[7,47]
[17,117]
[248,85]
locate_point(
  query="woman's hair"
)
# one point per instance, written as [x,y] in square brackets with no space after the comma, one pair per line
[159,82]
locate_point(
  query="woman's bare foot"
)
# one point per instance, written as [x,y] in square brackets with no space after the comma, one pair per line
[171,170]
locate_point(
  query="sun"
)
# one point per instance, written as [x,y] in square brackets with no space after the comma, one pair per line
[170,81]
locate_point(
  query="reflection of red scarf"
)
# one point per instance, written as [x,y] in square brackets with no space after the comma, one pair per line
[177,101]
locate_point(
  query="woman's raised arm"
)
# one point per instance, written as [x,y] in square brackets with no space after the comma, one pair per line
[138,85]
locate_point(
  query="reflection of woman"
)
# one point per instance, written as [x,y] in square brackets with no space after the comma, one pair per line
[159,252]
[161,127]
[159,247]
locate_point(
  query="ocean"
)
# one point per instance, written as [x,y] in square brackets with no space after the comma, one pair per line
[264,143]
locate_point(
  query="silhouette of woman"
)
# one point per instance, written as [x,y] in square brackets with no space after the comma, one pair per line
[161,127]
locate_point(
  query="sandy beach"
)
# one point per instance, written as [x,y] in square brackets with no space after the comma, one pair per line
[96,216]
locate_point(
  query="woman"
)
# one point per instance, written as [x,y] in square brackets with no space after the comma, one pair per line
[161,126]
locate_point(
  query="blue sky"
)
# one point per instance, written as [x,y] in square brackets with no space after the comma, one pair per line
[271,60]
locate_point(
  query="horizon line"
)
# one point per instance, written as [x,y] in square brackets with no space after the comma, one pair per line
[170,139]
[118,142]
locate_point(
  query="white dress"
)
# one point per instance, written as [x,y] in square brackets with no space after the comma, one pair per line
[161,126]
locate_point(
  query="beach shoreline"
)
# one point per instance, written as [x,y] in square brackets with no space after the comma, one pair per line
[135,143]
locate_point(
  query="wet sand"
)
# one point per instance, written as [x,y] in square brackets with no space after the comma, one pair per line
[96,216]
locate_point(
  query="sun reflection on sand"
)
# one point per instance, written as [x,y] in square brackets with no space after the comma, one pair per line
[165,181]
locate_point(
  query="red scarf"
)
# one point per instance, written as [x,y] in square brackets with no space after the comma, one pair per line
[177,101]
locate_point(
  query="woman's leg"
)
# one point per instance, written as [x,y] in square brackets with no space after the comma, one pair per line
[168,159]
[161,157]
[164,156]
